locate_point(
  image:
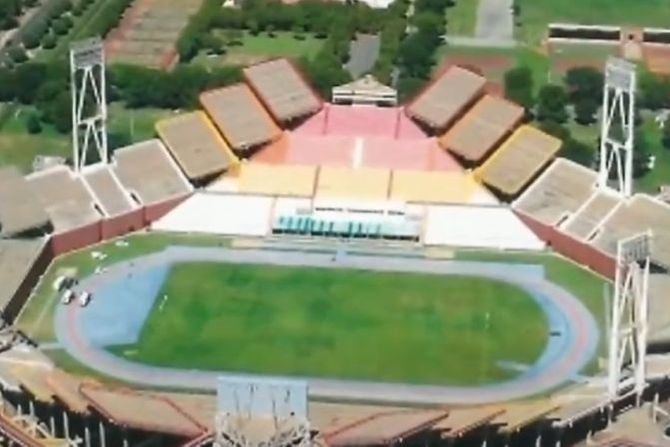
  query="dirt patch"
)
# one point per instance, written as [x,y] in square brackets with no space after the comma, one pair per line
[657,58]
[561,66]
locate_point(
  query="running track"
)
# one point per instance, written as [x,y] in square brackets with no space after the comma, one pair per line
[563,358]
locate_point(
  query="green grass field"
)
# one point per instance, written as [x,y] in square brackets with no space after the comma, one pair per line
[537,14]
[462,18]
[340,323]
[263,46]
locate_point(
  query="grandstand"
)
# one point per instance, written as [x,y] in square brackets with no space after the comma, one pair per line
[196,145]
[71,208]
[482,128]
[446,98]
[151,177]
[518,161]
[240,117]
[282,89]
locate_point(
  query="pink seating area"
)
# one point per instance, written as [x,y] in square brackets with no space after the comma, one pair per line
[361,121]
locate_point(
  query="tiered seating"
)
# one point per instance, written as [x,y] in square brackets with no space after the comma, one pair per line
[518,160]
[483,127]
[446,98]
[18,257]
[280,86]
[348,183]
[240,117]
[196,145]
[587,218]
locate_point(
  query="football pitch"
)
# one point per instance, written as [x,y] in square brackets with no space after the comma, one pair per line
[340,323]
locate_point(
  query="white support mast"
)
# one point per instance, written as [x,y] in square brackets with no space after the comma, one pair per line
[89,102]
[630,317]
[618,126]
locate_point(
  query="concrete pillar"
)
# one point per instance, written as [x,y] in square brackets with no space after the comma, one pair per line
[102,434]
[125,438]
[87,435]
[31,408]
[52,424]
[66,425]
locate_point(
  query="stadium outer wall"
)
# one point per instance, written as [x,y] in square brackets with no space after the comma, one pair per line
[18,300]
[581,252]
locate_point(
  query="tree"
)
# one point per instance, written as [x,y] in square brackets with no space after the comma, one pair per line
[585,111]
[584,83]
[49,41]
[653,91]
[519,86]
[18,54]
[551,103]
[29,77]
[665,139]
[640,154]
[7,85]
[578,152]
[33,123]
[233,37]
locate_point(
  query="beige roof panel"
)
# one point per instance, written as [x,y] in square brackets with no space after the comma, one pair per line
[108,191]
[20,210]
[518,160]
[446,98]
[148,171]
[482,128]
[463,420]
[353,183]
[559,191]
[279,180]
[65,197]
[239,116]
[587,218]
[196,145]
[640,213]
[282,89]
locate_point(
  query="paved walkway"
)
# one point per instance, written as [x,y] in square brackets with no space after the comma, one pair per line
[573,344]
[495,20]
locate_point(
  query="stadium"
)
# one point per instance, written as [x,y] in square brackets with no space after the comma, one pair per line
[349,273]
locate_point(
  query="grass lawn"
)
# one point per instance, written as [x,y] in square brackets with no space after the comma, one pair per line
[580,282]
[36,319]
[262,46]
[536,14]
[340,323]
[462,18]
[18,147]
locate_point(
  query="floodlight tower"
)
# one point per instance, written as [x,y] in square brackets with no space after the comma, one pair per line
[630,315]
[89,103]
[617,128]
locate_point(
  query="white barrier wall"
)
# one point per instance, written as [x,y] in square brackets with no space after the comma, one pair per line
[213,213]
[478,227]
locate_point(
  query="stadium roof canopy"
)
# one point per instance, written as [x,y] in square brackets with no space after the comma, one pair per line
[282,89]
[149,412]
[482,128]
[446,98]
[196,145]
[519,159]
[639,214]
[108,191]
[147,170]
[559,191]
[17,257]
[20,210]
[240,117]
[66,199]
